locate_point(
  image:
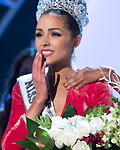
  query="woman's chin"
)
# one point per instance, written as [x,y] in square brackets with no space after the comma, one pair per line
[50,62]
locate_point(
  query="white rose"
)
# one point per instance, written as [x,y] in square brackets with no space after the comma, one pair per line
[59,140]
[58,136]
[81,145]
[74,120]
[96,125]
[53,132]
[69,138]
[59,122]
[82,128]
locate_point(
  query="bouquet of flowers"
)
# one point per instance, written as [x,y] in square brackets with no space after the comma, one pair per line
[95,130]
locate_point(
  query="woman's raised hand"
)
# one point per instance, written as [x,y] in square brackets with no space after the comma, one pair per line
[38,76]
[82,77]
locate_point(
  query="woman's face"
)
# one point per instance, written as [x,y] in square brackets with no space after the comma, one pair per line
[53,40]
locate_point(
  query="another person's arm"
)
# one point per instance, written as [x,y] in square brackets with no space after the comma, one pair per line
[111,77]
[90,75]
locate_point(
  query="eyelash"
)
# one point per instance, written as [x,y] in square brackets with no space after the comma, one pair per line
[54,34]
[38,34]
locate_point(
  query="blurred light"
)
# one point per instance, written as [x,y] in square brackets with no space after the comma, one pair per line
[8,3]
[10,14]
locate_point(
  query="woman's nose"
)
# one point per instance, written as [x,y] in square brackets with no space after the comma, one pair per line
[45,41]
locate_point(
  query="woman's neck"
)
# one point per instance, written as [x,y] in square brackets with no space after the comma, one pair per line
[57,77]
[62,74]
[57,80]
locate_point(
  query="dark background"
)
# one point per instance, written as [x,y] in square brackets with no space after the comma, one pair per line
[17,36]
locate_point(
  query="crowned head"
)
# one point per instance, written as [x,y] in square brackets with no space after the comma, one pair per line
[74,10]
[59,29]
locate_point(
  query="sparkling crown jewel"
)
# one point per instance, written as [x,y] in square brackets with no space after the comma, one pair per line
[76,8]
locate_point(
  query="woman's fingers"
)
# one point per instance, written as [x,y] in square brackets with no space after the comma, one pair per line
[38,71]
[39,64]
[43,68]
[34,66]
[38,76]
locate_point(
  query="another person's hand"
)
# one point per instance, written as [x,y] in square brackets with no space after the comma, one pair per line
[82,77]
[89,75]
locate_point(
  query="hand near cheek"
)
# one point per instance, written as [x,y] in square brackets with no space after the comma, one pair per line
[83,77]
[38,76]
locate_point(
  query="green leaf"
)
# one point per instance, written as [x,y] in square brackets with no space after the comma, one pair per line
[87,111]
[114,99]
[31,126]
[40,135]
[32,139]
[114,147]
[27,144]
[44,122]
[49,144]
[69,111]
[68,148]
[96,111]
[45,133]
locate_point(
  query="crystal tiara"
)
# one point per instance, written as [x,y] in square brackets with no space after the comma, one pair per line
[76,8]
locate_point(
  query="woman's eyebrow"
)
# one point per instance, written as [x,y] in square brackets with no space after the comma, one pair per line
[55,29]
[50,29]
[39,29]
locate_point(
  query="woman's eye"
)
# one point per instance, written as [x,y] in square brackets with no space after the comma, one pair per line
[38,34]
[56,34]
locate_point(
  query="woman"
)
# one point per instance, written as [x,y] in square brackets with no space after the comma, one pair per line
[58,31]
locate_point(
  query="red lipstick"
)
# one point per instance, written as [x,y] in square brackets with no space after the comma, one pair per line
[47,52]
